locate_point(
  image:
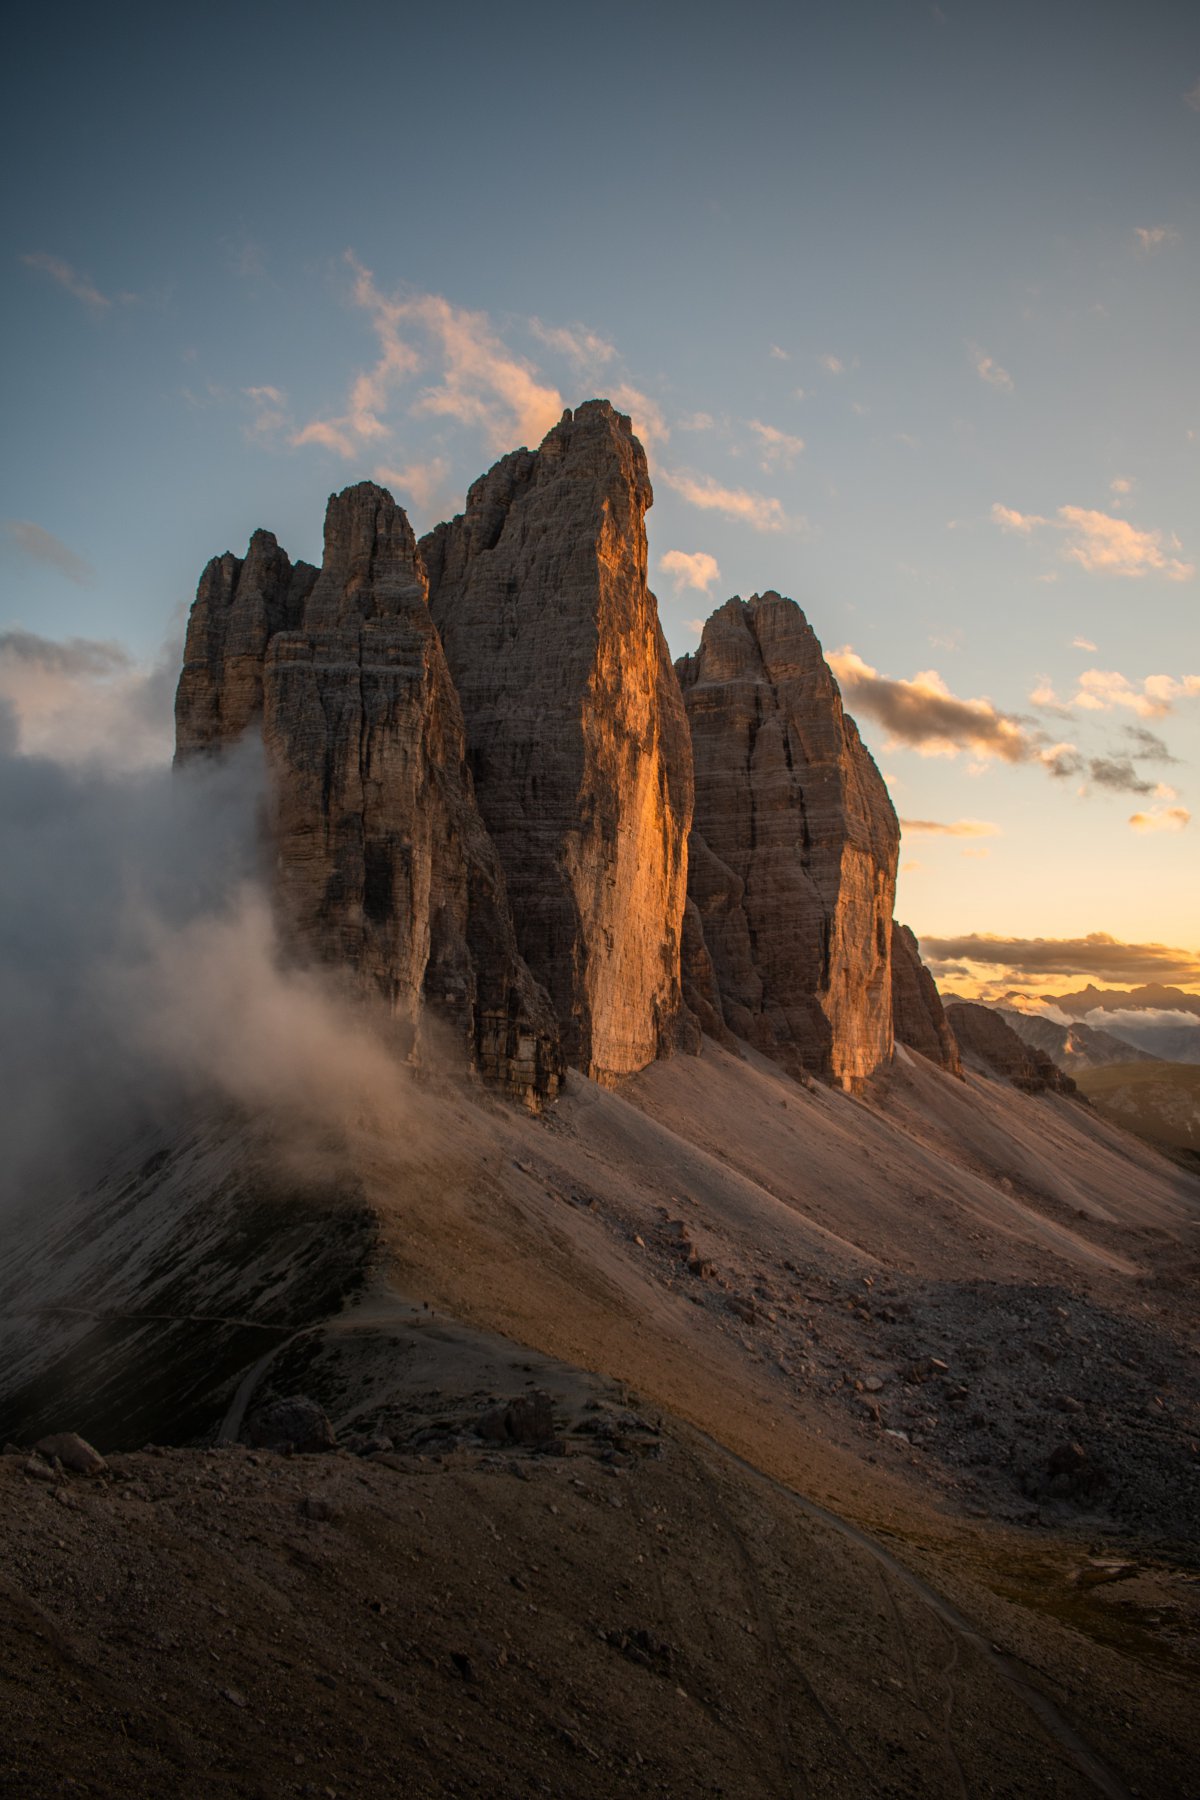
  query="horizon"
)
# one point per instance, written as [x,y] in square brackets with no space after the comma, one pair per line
[915,347]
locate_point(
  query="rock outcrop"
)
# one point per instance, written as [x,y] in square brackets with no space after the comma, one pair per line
[384,868]
[793,849]
[983,1034]
[918,1017]
[578,742]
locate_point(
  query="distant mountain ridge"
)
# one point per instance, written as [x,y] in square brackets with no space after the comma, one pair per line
[1072,1047]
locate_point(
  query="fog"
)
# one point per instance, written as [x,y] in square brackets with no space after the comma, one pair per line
[140,971]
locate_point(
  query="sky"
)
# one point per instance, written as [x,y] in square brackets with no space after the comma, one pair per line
[901,297]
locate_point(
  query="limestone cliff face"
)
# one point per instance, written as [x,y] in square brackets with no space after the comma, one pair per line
[794,845]
[578,742]
[982,1033]
[239,606]
[383,865]
[918,1018]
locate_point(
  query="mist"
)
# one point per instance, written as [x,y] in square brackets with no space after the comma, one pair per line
[140,971]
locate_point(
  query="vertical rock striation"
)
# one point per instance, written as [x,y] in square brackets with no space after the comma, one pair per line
[578,742]
[383,865]
[918,1018]
[794,845]
[239,606]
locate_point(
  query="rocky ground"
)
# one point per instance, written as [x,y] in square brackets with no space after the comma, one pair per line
[883,1480]
[613,1607]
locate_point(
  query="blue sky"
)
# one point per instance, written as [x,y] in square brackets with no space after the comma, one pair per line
[902,296]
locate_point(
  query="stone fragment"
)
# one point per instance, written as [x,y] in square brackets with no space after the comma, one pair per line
[576,732]
[293,1426]
[792,861]
[73,1452]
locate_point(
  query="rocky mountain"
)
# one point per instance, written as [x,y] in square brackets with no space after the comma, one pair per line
[1072,1047]
[578,741]
[792,864]
[483,772]
[918,1017]
[990,1040]
[383,867]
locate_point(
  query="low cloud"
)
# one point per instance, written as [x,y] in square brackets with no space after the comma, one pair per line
[87,700]
[926,716]
[1161,818]
[958,828]
[1097,956]
[1154,237]
[759,511]
[41,546]
[989,370]
[690,569]
[1101,544]
[140,972]
[81,286]
[775,446]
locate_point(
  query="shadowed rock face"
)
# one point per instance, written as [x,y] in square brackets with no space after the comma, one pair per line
[918,1018]
[982,1033]
[793,850]
[239,606]
[383,865]
[578,742]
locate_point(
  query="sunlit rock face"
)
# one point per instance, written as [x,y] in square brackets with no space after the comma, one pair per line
[578,742]
[794,846]
[918,1018]
[383,866]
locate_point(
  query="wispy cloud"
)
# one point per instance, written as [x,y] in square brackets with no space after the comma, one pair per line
[1192,98]
[478,381]
[81,286]
[1120,485]
[644,413]
[269,407]
[780,355]
[1082,643]
[696,421]
[1154,237]
[690,569]
[1148,746]
[1104,690]
[424,484]
[1161,818]
[833,365]
[776,446]
[958,828]
[1098,956]
[41,546]
[1102,544]
[760,511]
[578,343]
[927,717]
[989,370]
